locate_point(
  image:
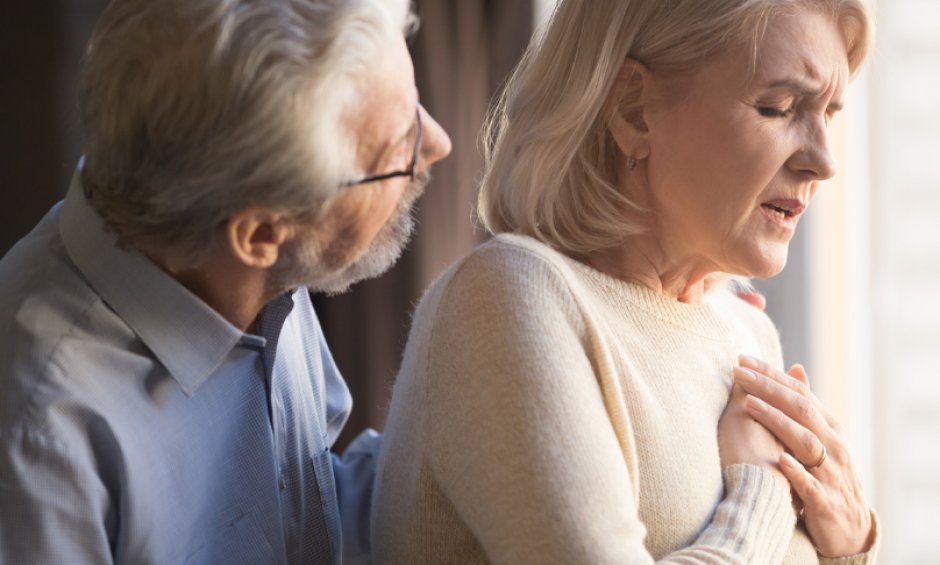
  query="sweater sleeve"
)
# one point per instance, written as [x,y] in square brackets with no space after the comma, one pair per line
[522,444]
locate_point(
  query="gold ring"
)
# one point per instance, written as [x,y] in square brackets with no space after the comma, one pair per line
[822,459]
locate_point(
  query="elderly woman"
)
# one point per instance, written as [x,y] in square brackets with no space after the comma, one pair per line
[568,390]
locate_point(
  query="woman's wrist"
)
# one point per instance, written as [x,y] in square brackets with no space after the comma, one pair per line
[865,557]
[755,519]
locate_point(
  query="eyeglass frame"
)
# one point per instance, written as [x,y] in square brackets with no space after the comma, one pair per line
[410,171]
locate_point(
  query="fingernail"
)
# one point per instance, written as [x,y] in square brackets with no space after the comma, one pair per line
[749,361]
[745,375]
[755,404]
[788,460]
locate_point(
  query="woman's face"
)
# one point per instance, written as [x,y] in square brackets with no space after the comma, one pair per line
[735,157]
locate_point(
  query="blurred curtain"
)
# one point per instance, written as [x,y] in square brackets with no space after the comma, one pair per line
[41,46]
[462,52]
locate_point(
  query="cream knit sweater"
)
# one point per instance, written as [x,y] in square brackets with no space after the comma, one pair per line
[547,413]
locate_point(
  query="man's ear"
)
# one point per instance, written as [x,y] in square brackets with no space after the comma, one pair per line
[625,109]
[254,236]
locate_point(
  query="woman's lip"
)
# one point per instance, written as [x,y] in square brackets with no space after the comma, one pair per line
[792,206]
[787,220]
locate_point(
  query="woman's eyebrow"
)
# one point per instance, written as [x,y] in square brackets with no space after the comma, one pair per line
[804,88]
[795,84]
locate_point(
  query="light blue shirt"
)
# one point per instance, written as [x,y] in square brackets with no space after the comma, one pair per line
[138,426]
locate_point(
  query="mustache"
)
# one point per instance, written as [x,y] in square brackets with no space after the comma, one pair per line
[402,222]
[415,189]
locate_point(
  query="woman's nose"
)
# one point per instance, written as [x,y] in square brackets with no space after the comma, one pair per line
[814,159]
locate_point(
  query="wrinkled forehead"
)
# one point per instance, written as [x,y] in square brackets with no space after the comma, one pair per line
[807,46]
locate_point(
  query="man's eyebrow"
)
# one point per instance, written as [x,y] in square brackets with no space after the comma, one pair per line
[407,134]
[398,140]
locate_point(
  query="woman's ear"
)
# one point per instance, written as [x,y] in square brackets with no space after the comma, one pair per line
[254,236]
[625,109]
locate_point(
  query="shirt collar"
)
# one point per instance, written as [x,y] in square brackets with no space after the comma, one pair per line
[186,335]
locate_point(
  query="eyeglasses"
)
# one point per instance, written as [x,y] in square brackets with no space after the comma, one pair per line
[410,171]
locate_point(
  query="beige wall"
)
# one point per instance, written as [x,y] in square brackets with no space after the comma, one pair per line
[874,279]
[904,246]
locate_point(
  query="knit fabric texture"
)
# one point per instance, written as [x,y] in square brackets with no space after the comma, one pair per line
[548,413]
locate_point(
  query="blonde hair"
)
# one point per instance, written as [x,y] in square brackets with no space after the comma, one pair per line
[196,109]
[550,161]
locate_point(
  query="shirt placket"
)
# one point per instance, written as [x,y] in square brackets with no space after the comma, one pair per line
[270,326]
[305,526]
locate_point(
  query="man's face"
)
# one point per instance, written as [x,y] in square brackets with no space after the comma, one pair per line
[363,230]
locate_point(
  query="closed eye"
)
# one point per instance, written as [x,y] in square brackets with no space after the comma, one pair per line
[773,112]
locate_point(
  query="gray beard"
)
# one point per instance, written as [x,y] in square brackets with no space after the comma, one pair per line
[307,265]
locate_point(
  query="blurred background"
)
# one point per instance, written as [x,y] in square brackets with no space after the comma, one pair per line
[859,302]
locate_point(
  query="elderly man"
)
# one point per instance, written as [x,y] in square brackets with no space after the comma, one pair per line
[167,394]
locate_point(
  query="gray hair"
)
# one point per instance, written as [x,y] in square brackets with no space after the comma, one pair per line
[551,163]
[196,109]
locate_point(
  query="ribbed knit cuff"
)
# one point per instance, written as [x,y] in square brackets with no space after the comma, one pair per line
[867,558]
[755,520]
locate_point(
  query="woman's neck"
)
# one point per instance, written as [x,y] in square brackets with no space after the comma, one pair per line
[641,260]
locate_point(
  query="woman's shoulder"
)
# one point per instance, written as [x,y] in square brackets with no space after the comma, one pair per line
[513,248]
[507,261]
[508,273]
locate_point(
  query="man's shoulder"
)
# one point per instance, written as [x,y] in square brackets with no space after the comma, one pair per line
[38,270]
[52,325]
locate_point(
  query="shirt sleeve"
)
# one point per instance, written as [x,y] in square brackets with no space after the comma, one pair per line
[53,509]
[355,477]
[523,444]
[354,472]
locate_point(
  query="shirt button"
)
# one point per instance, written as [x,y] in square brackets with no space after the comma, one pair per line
[282,482]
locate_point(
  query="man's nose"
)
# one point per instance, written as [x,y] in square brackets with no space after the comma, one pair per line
[435,144]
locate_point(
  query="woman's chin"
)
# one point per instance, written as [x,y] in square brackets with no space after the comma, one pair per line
[762,264]
[769,267]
